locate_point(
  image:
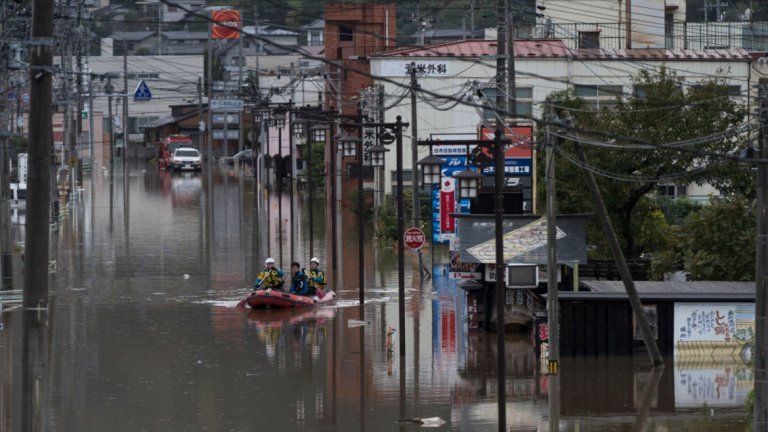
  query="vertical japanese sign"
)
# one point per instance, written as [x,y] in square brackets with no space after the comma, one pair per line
[368,100]
[447,205]
[226,24]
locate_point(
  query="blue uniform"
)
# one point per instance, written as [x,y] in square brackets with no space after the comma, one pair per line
[300,283]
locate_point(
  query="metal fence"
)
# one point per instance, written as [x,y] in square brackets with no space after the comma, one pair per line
[751,36]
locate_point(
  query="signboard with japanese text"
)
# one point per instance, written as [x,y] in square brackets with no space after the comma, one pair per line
[518,157]
[711,330]
[402,68]
[227,105]
[447,205]
[455,161]
[226,24]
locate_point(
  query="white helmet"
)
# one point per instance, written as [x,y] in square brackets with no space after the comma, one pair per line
[315,260]
[270,261]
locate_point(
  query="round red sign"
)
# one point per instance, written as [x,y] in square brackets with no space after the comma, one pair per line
[414,238]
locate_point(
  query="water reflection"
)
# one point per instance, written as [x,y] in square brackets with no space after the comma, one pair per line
[136,345]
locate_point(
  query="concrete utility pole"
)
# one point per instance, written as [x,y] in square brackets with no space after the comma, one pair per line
[760,417]
[553,269]
[6,259]
[618,255]
[125,101]
[34,350]
[414,148]
[498,158]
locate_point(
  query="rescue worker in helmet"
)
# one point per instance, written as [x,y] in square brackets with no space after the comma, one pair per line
[271,278]
[316,278]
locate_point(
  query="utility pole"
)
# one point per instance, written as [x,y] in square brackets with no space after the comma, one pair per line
[80,103]
[292,149]
[498,157]
[6,259]
[760,417]
[618,256]
[553,269]
[125,101]
[414,151]
[34,351]
[415,205]
[511,87]
[628,15]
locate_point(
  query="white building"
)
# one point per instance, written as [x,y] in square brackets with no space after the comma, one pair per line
[461,69]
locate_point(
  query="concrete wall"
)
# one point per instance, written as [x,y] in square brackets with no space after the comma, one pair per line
[544,76]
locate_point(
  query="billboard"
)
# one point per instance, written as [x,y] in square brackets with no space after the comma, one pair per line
[714,330]
[518,157]
[525,239]
[226,24]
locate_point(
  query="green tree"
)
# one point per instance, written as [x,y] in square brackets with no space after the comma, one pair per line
[662,109]
[718,242]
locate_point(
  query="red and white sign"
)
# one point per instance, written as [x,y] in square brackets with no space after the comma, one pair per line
[414,238]
[226,24]
[447,205]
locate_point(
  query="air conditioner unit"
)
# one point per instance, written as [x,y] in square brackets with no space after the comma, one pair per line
[522,276]
[762,61]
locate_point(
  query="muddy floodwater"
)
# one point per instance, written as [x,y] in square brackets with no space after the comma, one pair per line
[145,336]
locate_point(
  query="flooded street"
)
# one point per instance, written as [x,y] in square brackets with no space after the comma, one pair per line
[145,335]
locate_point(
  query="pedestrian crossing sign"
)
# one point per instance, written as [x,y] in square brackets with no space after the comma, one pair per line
[142,92]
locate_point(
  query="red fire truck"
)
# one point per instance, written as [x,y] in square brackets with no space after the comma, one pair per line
[167,145]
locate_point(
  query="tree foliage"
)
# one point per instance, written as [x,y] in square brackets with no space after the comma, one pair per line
[718,242]
[662,109]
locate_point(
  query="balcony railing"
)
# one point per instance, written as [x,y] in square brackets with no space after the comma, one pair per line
[751,36]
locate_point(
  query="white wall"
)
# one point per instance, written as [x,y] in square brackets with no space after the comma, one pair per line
[176,82]
[543,75]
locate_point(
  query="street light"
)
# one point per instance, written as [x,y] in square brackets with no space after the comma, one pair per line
[431,169]
[469,182]
[348,145]
[377,155]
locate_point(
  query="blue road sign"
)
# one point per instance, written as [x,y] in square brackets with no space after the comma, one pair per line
[142,92]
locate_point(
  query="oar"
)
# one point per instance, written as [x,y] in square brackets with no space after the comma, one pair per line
[241,303]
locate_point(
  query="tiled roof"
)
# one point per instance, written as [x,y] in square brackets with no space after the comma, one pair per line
[661,54]
[554,48]
[131,36]
[481,47]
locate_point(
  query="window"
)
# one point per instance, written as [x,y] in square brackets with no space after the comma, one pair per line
[672,191]
[345,33]
[314,39]
[246,44]
[597,96]
[524,96]
[172,9]
[589,39]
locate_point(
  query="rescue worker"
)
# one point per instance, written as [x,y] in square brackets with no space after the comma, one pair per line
[316,277]
[271,277]
[299,283]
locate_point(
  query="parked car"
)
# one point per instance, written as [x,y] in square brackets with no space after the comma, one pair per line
[186,158]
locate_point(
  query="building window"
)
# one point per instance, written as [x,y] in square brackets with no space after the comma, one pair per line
[524,96]
[345,33]
[597,96]
[314,39]
[246,44]
[672,191]
[589,39]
